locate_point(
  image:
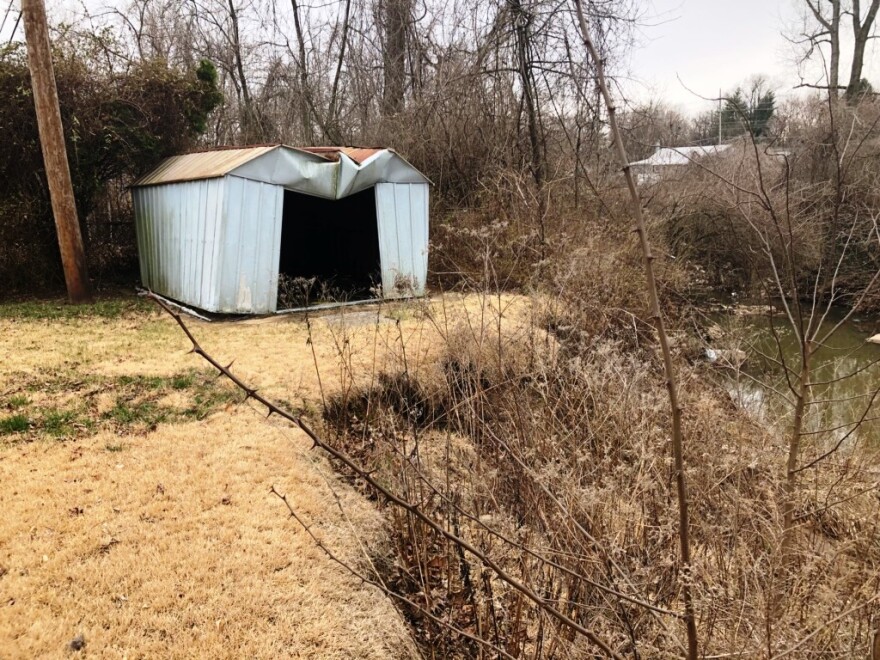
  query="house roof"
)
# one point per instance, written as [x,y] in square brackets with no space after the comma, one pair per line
[680,155]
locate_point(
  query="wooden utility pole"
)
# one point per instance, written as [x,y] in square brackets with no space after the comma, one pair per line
[73,256]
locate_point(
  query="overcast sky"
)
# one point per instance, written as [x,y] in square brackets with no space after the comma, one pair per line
[704,45]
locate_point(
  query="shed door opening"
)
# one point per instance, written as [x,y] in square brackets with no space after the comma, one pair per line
[329,249]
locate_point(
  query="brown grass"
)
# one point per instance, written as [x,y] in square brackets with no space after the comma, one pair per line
[166,542]
[209,564]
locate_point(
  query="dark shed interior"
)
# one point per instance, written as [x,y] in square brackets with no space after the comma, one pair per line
[329,249]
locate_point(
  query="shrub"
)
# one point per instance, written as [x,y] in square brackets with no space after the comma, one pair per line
[117,125]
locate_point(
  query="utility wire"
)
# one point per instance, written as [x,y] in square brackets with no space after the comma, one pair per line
[6,15]
[14,28]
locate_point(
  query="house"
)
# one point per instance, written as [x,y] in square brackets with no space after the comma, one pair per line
[218,229]
[666,161]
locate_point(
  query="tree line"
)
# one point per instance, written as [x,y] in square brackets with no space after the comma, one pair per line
[490,100]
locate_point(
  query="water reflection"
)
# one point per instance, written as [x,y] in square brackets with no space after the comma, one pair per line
[846,371]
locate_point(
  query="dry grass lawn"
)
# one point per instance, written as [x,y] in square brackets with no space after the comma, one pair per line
[154,534]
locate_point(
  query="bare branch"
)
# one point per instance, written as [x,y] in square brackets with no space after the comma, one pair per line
[671,379]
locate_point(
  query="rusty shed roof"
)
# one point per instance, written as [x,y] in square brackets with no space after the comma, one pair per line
[357,154]
[201,165]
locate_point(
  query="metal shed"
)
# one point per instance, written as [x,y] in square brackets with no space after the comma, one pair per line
[217,229]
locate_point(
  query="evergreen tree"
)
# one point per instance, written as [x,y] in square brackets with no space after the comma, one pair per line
[749,112]
[734,115]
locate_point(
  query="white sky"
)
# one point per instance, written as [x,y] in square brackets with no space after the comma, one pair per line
[704,45]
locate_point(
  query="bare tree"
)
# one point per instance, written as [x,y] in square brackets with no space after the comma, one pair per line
[824,27]
[785,214]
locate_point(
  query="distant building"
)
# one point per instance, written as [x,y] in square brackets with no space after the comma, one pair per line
[669,161]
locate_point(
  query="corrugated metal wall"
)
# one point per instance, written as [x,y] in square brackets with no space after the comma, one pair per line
[402,212]
[179,228]
[251,246]
[215,244]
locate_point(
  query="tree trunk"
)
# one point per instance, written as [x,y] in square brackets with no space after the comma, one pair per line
[333,111]
[834,37]
[861,34]
[305,114]
[250,129]
[396,16]
[831,27]
[522,22]
[521,26]
[794,450]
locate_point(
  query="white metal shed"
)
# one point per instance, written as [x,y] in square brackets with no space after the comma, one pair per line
[216,229]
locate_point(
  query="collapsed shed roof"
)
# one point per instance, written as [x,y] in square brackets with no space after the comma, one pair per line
[357,154]
[329,172]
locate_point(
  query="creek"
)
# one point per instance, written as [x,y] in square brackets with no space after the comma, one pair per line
[846,370]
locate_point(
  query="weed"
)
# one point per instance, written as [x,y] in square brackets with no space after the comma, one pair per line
[206,400]
[519,433]
[144,382]
[141,405]
[14,424]
[182,381]
[17,401]
[129,413]
[65,423]
[141,402]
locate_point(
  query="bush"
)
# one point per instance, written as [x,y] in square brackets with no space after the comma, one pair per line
[537,431]
[817,218]
[117,125]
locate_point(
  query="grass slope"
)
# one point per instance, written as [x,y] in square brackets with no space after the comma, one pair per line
[135,492]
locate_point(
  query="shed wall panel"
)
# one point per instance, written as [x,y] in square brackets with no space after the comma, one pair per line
[419,237]
[178,230]
[402,213]
[248,281]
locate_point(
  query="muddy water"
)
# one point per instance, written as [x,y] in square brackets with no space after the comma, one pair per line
[846,369]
